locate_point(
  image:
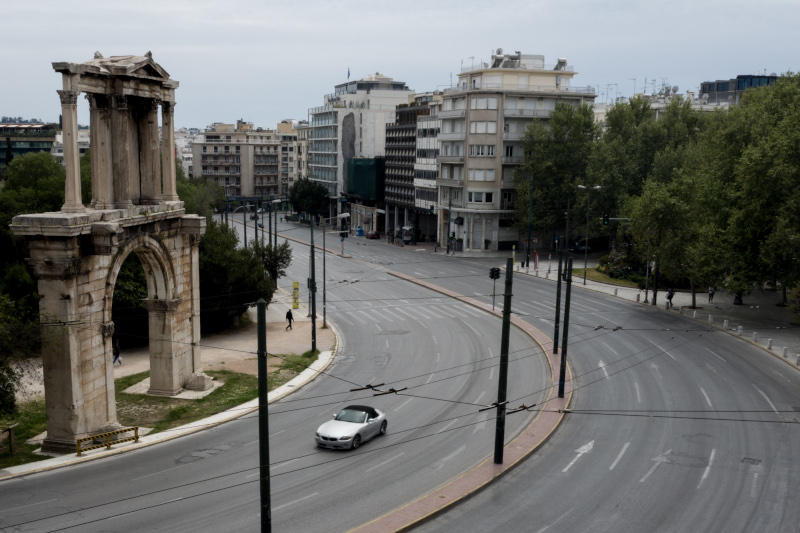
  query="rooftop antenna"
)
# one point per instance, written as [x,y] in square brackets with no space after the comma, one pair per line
[634,85]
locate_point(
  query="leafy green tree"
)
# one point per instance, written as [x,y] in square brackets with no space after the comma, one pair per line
[556,158]
[231,278]
[9,151]
[276,259]
[309,196]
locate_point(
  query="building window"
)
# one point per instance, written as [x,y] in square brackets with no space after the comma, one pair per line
[204,150]
[510,150]
[483,127]
[216,149]
[481,150]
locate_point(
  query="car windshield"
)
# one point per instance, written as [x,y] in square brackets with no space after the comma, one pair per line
[349,415]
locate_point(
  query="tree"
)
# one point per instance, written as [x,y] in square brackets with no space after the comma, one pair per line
[9,152]
[231,278]
[276,259]
[556,158]
[309,196]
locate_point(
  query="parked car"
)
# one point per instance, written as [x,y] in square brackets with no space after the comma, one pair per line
[373,235]
[578,246]
[351,426]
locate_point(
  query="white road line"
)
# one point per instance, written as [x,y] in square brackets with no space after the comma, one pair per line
[708,468]
[609,347]
[621,453]
[419,273]
[296,501]
[766,398]
[754,486]
[545,528]
[387,342]
[603,368]
[32,504]
[706,349]
[429,379]
[586,448]
[175,500]
[660,348]
[638,395]
[448,425]
[708,401]
[491,373]
[423,325]
[458,451]
[491,353]
[438,355]
[434,339]
[480,396]
[402,405]
[251,442]
[656,461]
[473,329]
[160,472]
[385,462]
[712,369]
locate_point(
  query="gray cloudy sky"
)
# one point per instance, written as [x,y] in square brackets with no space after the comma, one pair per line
[265,61]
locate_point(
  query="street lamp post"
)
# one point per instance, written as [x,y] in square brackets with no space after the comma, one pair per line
[586,238]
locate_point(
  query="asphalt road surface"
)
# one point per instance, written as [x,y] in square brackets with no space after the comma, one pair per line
[392,332]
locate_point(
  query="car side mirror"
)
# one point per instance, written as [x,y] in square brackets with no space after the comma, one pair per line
[370,420]
[334,415]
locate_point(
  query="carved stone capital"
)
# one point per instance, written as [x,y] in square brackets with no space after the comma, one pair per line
[153,103]
[68,97]
[167,108]
[121,102]
[49,269]
[108,329]
[162,306]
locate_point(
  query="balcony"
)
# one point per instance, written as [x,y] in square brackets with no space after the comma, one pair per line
[449,183]
[533,113]
[453,113]
[513,87]
[450,159]
[507,136]
[515,160]
[452,136]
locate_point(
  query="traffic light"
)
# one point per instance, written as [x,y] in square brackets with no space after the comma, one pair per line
[452,235]
[494,273]
[605,220]
[432,209]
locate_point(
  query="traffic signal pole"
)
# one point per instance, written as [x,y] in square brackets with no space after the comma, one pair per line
[500,422]
[558,298]
[562,375]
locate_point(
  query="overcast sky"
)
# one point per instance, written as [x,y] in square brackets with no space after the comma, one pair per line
[265,61]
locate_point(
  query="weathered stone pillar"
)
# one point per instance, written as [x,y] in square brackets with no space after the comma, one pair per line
[122,154]
[100,131]
[149,159]
[166,377]
[168,151]
[69,133]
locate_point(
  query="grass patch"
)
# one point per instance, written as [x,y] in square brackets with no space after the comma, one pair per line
[32,420]
[156,412]
[595,275]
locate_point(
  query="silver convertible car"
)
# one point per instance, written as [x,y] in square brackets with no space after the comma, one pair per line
[353,425]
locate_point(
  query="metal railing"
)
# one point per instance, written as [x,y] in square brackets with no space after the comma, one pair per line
[539,113]
[108,442]
[517,87]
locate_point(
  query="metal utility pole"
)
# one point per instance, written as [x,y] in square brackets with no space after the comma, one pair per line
[558,297]
[500,426]
[244,223]
[255,219]
[655,281]
[586,241]
[530,223]
[269,223]
[324,318]
[263,419]
[312,286]
[562,375]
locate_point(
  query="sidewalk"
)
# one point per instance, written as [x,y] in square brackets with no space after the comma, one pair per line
[225,351]
[760,314]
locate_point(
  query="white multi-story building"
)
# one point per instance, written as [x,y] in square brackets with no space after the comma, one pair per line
[351,123]
[484,119]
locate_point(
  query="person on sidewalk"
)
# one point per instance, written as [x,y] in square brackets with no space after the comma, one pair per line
[670,294]
[290,318]
[117,352]
[710,294]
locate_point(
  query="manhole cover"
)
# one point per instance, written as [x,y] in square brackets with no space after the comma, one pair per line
[751,461]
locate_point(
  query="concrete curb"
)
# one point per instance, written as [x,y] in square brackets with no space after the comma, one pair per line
[307,376]
[480,477]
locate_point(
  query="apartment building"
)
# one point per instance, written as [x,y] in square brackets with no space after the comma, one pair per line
[244,160]
[426,169]
[351,123]
[290,151]
[483,122]
[303,132]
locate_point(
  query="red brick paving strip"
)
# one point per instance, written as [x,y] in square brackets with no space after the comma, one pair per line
[472,482]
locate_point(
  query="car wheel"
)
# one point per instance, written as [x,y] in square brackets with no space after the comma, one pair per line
[383,428]
[356,442]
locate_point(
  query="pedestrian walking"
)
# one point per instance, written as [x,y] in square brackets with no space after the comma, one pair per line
[710,294]
[670,294]
[117,353]
[290,318]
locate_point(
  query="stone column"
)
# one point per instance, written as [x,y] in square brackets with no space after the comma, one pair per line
[149,159]
[170,191]
[100,131]
[121,151]
[165,370]
[69,132]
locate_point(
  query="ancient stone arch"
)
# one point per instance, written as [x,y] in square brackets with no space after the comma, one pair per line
[77,253]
